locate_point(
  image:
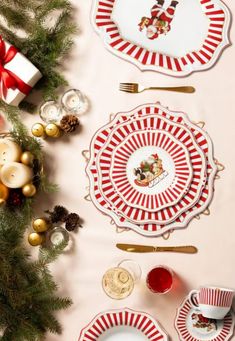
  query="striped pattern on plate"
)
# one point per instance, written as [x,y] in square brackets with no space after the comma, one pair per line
[202,140]
[202,58]
[113,319]
[189,328]
[168,214]
[181,168]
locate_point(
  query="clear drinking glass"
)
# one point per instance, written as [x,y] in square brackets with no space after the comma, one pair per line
[118,282]
[160,279]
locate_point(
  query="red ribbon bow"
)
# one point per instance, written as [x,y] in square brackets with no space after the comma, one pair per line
[7,78]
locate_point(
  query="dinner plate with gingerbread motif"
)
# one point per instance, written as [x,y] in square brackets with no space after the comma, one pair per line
[150,170]
[202,139]
[165,215]
[191,325]
[169,36]
[123,325]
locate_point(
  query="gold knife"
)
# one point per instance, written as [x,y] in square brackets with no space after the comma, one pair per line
[145,248]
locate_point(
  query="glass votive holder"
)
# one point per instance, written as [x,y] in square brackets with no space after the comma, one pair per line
[57,236]
[51,112]
[74,101]
[160,279]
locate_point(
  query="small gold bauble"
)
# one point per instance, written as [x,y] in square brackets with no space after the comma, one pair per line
[38,130]
[52,130]
[40,225]
[27,158]
[4,192]
[29,190]
[36,239]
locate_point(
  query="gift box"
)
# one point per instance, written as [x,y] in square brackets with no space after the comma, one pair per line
[17,74]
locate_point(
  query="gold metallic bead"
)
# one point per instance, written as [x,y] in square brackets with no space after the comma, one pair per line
[52,130]
[29,190]
[4,192]
[40,225]
[36,239]
[27,158]
[38,130]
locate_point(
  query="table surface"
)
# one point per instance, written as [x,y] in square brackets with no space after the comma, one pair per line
[78,273]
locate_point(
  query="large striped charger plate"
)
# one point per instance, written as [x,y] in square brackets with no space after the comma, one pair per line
[197,158]
[201,138]
[172,37]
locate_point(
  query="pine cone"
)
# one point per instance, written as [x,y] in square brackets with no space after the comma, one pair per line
[72,222]
[69,123]
[59,213]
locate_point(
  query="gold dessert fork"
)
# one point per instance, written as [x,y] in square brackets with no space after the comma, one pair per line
[135,88]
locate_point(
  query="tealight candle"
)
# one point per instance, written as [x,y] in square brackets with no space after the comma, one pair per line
[15,175]
[9,151]
[74,101]
[51,112]
[58,235]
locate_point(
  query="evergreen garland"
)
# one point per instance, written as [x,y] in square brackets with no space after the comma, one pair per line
[28,297]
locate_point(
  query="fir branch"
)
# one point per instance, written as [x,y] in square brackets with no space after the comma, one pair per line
[46,186]
[15,18]
[10,36]
[47,256]
[52,5]
[28,292]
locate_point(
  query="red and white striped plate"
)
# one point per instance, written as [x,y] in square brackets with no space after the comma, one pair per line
[202,139]
[198,33]
[123,324]
[192,326]
[140,216]
[158,191]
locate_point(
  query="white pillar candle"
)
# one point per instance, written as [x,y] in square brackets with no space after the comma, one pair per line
[9,151]
[15,175]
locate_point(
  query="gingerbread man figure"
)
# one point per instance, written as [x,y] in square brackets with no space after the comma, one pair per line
[160,21]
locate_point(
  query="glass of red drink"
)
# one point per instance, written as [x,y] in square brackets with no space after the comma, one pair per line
[160,279]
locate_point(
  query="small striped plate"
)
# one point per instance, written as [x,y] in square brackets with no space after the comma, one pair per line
[123,325]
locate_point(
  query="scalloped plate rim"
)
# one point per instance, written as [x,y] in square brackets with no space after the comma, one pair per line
[226,42]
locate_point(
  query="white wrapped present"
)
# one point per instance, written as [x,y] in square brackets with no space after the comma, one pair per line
[17,74]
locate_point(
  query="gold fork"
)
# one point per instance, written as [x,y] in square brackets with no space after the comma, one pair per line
[135,88]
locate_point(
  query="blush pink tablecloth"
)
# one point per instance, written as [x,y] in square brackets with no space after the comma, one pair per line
[97,73]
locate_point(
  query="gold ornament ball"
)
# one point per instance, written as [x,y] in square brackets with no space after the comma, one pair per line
[36,239]
[40,225]
[38,130]
[27,158]
[29,190]
[4,193]
[52,130]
